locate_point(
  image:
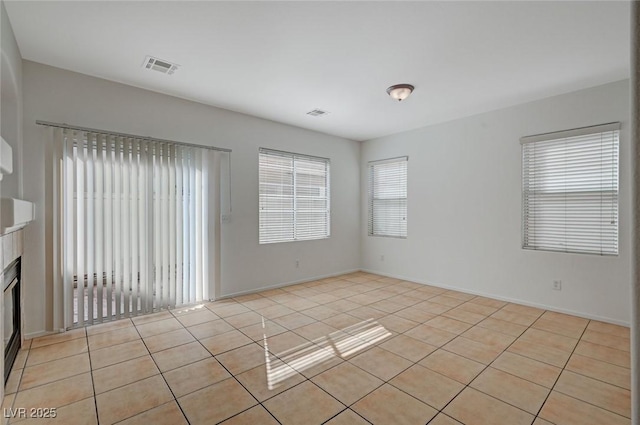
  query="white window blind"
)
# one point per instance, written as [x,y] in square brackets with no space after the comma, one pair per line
[388,197]
[137,225]
[294,197]
[570,190]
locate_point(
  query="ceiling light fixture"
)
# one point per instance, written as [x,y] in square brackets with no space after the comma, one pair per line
[400,92]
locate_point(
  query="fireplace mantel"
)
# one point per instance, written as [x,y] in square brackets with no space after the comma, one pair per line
[15,214]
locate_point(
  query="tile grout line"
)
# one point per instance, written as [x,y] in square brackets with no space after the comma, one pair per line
[577,373]
[259,403]
[19,382]
[485,368]
[93,384]
[306,379]
[388,380]
[234,376]
[561,371]
[388,297]
[416,363]
[310,378]
[231,375]
[161,374]
[571,354]
[387,314]
[404,370]
[47,383]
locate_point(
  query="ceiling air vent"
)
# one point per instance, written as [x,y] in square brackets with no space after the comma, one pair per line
[160,65]
[317,113]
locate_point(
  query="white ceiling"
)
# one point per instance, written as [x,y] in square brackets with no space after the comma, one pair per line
[279,60]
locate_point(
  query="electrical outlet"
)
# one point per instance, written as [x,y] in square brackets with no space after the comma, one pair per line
[297,264]
[557,285]
[226,218]
[382,257]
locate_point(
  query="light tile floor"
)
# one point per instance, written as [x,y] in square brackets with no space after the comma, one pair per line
[355,349]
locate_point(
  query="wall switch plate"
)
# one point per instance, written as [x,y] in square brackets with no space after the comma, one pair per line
[557,285]
[382,257]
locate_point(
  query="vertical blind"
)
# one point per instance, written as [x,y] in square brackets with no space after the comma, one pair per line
[135,230]
[388,197]
[294,197]
[570,190]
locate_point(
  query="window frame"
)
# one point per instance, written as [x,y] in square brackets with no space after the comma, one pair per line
[371,196]
[577,186]
[295,197]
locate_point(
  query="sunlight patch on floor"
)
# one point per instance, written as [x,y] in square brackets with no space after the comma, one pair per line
[342,343]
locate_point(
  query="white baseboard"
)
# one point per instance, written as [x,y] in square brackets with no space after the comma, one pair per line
[281,285]
[36,334]
[502,298]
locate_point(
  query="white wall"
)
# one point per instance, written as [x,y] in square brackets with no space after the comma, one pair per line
[464,208]
[11,102]
[57,95]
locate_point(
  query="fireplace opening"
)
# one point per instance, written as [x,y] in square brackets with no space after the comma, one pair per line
[12,317]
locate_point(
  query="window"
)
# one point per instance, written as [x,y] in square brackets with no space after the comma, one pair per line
[388,197]
[294,197]
[570,190]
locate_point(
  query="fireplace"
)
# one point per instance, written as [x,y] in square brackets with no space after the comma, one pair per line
[12,317]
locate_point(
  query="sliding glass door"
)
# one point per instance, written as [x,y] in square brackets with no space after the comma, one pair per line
[137,225]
